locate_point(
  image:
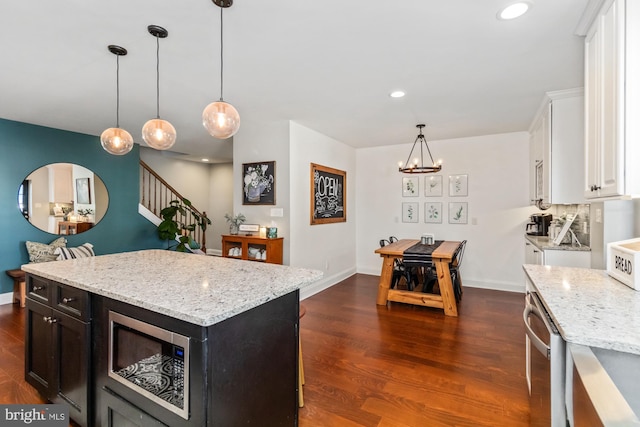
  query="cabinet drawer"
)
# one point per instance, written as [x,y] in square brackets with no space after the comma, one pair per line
[72,301]
[38,289]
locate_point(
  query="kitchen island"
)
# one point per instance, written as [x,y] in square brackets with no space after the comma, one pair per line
[228,328]
[589,307]
[599,318]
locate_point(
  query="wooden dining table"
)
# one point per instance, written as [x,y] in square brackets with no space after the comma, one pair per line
[441,257]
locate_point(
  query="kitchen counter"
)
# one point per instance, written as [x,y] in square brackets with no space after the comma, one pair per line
[589,307]
[201,290]
[544,243]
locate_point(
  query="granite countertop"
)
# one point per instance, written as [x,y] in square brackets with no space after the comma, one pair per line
[198,289]
[589,307]
[544,243]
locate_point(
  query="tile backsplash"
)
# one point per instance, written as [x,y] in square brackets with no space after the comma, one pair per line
[580,225]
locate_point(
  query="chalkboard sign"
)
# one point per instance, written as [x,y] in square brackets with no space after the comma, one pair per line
[328,195]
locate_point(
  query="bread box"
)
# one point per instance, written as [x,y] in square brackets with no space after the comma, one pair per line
[622,259]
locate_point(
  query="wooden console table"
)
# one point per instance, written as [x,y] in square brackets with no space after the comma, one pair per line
[441,257]
[69,227]
[271,247]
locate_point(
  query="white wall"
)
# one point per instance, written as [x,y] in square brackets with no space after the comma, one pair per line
[220,203]
[498,182]
[327,247]
[264,142]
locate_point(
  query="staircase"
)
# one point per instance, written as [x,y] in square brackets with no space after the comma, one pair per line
[156,194]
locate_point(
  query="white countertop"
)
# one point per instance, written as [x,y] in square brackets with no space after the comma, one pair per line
[589,307]
[545,244]
[198,289]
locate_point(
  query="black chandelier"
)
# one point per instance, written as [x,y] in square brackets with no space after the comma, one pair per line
[418,166]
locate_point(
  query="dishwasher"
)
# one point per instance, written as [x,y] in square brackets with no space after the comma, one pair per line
[545,365]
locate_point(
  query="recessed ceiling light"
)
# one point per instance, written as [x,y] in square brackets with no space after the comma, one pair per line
[514,10]
[205,160]
[397,94]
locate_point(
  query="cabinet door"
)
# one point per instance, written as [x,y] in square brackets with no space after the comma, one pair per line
[604,78]
[592,96]
[545,136]
[117,412]
[532,255]
[71,350]
[38,341]
[612,100]
[535,159]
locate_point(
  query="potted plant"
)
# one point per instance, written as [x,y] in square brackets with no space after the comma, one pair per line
[170,227]
[234,222]
[84,214]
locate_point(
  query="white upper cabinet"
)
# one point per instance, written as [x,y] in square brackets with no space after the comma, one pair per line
[557,149]
[612,101]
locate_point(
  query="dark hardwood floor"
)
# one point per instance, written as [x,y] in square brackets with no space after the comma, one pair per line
[366,365]
[409,366]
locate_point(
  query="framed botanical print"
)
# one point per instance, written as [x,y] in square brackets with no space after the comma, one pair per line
[259,183]
[458,212]
[433,212]
[433,185]
[410,212]
[410,186]
[458,185]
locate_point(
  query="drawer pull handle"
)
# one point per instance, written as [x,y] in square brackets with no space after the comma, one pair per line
[68,300]
[52,320]
[46,319]
[37,288]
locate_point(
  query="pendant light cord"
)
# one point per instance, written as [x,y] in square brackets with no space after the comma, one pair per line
[157,77]
[117,91]
[221,57]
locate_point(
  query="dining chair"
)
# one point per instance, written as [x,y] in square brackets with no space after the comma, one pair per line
[399,269]
[454,268]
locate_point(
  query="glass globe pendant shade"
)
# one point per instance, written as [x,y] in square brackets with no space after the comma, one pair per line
[221,119]
[116,141]
[159,134]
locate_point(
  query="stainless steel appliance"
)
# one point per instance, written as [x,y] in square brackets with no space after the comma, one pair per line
[602,387]
[539,225]
[545,365]
[150,361]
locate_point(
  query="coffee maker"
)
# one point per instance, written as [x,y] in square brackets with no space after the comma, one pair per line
[539,225]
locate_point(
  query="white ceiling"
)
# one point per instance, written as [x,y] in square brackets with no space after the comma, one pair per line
[328,65]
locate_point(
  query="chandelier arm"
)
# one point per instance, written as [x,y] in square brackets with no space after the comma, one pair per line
[406,164]
[428,150]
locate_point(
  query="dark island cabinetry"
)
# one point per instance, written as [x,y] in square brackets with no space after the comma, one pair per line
[57,345]
[241,371]
[161,338]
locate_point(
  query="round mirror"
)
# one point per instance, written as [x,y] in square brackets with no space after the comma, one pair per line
[63,198]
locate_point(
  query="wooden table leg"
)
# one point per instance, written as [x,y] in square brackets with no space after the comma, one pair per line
[385,280]
[446,288]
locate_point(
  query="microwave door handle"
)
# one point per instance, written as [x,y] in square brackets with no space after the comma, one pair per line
[535,340]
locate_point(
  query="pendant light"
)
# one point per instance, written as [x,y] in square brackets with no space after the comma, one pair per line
[418,165]
[115,140]
[220,118]
[158,133]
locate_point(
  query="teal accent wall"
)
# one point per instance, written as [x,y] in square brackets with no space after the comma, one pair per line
[24,148]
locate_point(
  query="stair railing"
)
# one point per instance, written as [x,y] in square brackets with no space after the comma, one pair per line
[156,194]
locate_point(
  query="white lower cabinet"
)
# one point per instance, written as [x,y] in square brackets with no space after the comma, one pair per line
[559,257]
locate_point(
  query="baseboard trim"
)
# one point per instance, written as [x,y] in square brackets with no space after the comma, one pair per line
[6,298]
[325,283]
